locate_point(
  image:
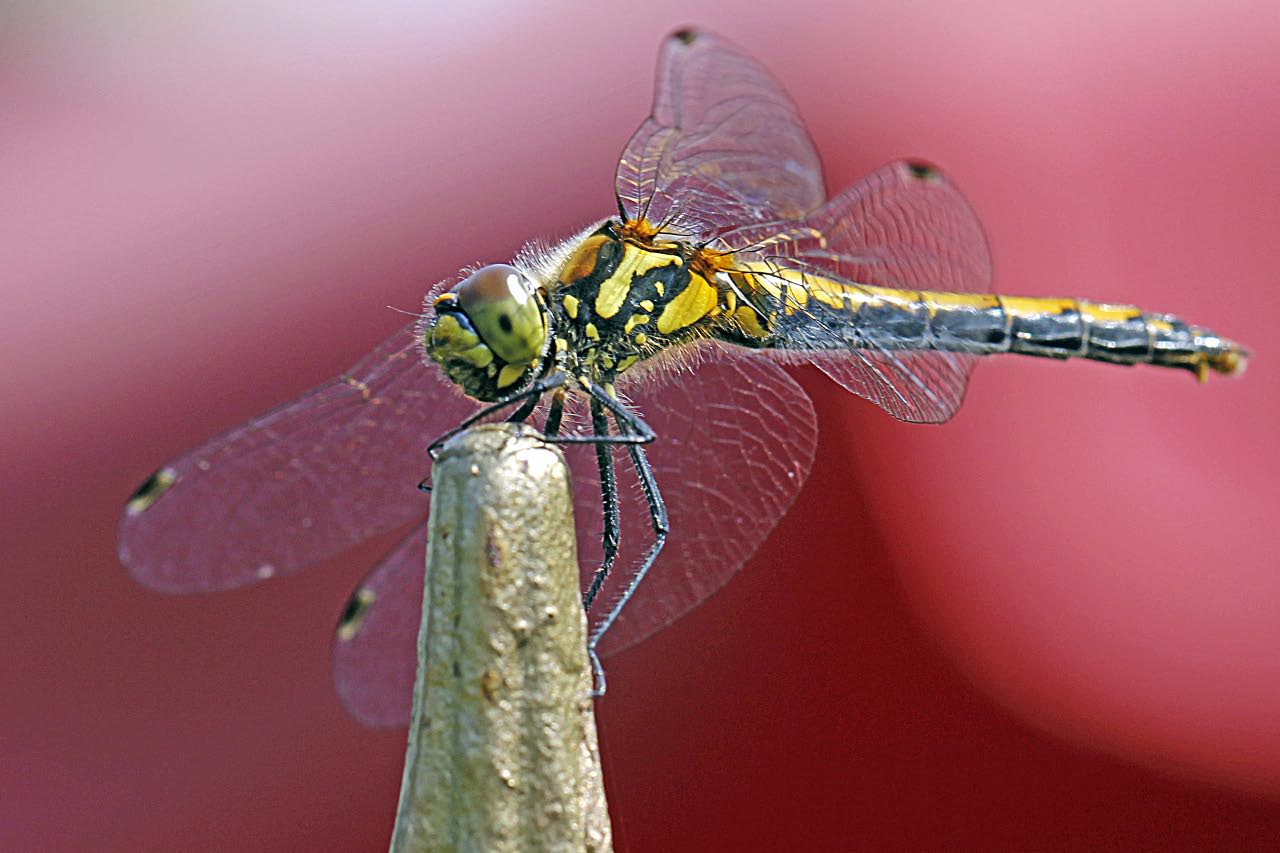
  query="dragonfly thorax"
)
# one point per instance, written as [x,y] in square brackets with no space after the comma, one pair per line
[618,300]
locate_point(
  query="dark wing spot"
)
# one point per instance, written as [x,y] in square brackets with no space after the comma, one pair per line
[353,615]
[504,323]
[685,36]
[151,491]
[923,171]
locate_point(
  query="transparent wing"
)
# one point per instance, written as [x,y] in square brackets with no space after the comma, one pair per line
[375,649]
[904,226]
[299,484]
[723,147]
[736,439]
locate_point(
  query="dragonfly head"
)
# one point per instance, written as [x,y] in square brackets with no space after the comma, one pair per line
[489,332]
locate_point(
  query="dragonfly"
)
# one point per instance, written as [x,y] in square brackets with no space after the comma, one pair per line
[652,345]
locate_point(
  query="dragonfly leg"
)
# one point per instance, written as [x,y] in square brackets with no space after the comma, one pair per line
[521,414]
[533,392]
[551,428]
[658,514]
[528,398]
[633,429]
[609,496]
[632,432]
[630,425]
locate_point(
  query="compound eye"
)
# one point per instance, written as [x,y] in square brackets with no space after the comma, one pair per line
[500,303]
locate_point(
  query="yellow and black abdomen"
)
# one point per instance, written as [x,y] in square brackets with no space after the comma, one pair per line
[1120,334]
[1077,328]
[785,309]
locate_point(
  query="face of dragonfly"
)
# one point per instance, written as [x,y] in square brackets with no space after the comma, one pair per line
[490,332]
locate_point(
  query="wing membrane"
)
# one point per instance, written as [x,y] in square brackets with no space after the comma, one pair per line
[375,650]
[735,443]
[904,226]
[723,147]
[299,484]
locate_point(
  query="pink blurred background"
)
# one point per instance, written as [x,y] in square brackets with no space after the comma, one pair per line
[1051,624]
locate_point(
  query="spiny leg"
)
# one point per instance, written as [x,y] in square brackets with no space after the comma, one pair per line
[632,432]
[658,515]
[521,414]
[637,433]
[528,398]
[551,428]
[609,496]
[525,396]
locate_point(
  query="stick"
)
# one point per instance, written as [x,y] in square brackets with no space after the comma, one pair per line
[502,748]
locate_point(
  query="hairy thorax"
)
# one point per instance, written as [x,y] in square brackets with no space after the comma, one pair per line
[623,297]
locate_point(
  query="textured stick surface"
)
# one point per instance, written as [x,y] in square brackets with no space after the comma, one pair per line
[502,748]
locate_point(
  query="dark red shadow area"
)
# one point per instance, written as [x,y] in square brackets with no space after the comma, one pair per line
[806,707]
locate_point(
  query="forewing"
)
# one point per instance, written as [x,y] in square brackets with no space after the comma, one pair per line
[905,226]
[298,484]
[736,439]
[723,147]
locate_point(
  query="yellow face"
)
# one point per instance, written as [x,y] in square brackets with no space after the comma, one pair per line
[490,332]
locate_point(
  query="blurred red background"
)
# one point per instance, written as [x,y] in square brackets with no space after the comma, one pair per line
[1050,624]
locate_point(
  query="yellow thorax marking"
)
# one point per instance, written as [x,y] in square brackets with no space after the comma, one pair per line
[750,322]
[689,305]
[635,261]
[583,260]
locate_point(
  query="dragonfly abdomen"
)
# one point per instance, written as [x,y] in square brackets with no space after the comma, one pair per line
[1118,334]
[787,309]
[1066,328]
